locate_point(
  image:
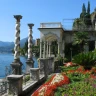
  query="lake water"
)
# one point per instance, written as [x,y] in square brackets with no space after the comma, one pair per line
[7,59]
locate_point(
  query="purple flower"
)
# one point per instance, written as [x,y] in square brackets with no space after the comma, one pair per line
[65,95]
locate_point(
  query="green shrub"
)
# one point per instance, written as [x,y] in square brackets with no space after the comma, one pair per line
[27,78]
[84,88]
[85,59]
[65,69]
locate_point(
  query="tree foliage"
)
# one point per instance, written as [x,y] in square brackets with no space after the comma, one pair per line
[88,8]
[84,22]
[80,38]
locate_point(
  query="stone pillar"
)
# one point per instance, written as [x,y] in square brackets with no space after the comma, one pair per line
[15,85]
[44,68]
[49,49]
[40,49]
[44,50]
[63,50]
[30,62]
[95,25]
[16,64]
[58,47]
[34,74]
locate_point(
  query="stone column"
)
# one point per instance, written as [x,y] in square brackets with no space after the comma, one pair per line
[15,85]
[63,49]
[95,25]
[16,64]
[30,62]
[49,49]
[58,47]
[44,50]
[40,49]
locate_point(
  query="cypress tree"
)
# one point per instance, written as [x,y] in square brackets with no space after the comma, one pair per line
[83,9]
[88,8]
[95,10]
[82,15]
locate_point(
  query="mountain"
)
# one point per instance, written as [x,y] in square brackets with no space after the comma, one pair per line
[9,46]
[22,41]
[4,44]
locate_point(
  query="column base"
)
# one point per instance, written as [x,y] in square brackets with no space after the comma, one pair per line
[29,64]
[16,67]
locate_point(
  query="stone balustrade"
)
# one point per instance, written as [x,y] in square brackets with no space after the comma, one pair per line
[34,74]
[51,25]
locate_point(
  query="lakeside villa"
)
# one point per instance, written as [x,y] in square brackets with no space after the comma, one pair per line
[18,84]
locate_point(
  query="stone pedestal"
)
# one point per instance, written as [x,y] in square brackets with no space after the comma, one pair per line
[30,64]
[34,74]
[44,68]
[51,64]
[16,67]
[15,85]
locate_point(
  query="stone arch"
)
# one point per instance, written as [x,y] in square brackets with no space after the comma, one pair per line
[50,37]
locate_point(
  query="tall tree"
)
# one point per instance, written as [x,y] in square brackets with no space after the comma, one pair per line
[88,8]
[95,10]
[83,9]
[82,15]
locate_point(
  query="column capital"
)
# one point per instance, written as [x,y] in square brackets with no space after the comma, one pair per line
[18,17]
[30,25]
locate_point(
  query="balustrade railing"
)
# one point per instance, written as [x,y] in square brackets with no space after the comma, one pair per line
[78,28]
[3,87]
[26,78]
[51,25]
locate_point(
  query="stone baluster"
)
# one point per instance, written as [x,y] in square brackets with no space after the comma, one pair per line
[16,65]
[30,62]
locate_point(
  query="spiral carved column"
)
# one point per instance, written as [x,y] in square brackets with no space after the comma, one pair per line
[16,64]
[30,62]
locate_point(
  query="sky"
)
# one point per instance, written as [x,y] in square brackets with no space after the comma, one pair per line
[36,11]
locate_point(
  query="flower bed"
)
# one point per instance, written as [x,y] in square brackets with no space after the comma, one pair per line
[49,87]
[82,82]
[77,76]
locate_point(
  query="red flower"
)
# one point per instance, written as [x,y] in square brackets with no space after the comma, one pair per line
[50,88]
